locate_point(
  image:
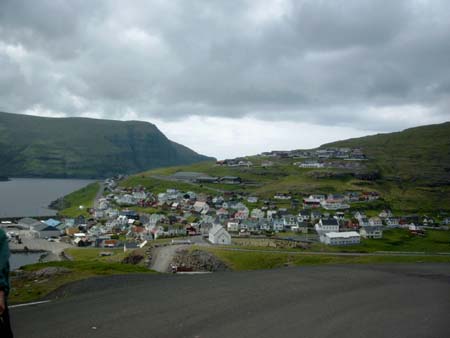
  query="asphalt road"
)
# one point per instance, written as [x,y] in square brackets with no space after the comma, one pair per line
[324,301]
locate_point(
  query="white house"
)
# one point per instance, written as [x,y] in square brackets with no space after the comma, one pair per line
[277,224]
[375,221]
[139,195]
[289,221]
[392,222]
[281,196]
[334,205]
[300,227]
[257,214]
[327,225]
[341,238]
[304,215]
[271,214]
[385,214]
[233,226]
[126,199]
[252,199]
[201,206]
[371,232]
[218,235]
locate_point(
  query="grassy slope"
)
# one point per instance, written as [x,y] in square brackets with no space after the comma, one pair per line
[85,197]
[419,154]
[33,146]
[415,165]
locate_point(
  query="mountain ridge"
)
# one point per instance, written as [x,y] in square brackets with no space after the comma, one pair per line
[80,147]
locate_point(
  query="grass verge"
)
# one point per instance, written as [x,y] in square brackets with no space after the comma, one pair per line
[242,261]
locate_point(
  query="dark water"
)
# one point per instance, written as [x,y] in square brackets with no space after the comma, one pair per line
[31,196]
[19,259]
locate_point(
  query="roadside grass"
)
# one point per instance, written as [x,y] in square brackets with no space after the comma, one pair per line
[394,240]
[242,261]
[93,254]
[397,240]
[87,263]
[85,197]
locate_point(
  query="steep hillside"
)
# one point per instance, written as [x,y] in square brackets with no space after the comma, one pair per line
[418,155]
[79,147]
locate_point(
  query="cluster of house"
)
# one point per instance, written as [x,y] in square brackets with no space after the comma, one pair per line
[317,164]
[235,162]
[328,153]
[216,219]
[195,177]
[114,219]
[339,201]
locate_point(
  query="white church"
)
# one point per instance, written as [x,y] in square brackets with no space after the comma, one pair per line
[218,235]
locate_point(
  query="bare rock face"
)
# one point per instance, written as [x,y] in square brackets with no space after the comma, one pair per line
[198,260]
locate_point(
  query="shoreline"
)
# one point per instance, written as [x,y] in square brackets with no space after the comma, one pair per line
[25,251]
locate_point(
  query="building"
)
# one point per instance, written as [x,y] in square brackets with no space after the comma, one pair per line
[375,221]
[371,232]
[301,227]
[218,235]
[327,225]
[233,226]
[341,238]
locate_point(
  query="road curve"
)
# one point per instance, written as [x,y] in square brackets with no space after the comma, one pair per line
[318,301]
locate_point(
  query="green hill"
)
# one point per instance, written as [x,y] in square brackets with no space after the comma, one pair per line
[418,155]
[33,146]
[413,167]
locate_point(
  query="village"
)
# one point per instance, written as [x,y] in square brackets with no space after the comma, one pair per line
[132,217]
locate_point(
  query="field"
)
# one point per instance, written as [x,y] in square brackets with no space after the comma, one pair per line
[85,197]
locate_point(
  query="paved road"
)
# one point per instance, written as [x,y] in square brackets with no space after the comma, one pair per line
[99,194]
[324,301]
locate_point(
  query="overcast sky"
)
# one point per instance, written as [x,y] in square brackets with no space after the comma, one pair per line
[231,77]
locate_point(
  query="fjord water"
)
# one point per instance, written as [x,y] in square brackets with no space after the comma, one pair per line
[31,196]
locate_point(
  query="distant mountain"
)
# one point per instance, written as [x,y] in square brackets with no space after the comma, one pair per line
[418,155]
[33,146]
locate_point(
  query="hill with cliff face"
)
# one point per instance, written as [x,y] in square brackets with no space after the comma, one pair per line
[33,146]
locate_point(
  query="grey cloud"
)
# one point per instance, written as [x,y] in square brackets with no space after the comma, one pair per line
[326,62]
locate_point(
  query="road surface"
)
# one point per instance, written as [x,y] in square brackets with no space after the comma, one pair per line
[322,301]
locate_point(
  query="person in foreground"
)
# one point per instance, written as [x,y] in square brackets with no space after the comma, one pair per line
[5,326]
